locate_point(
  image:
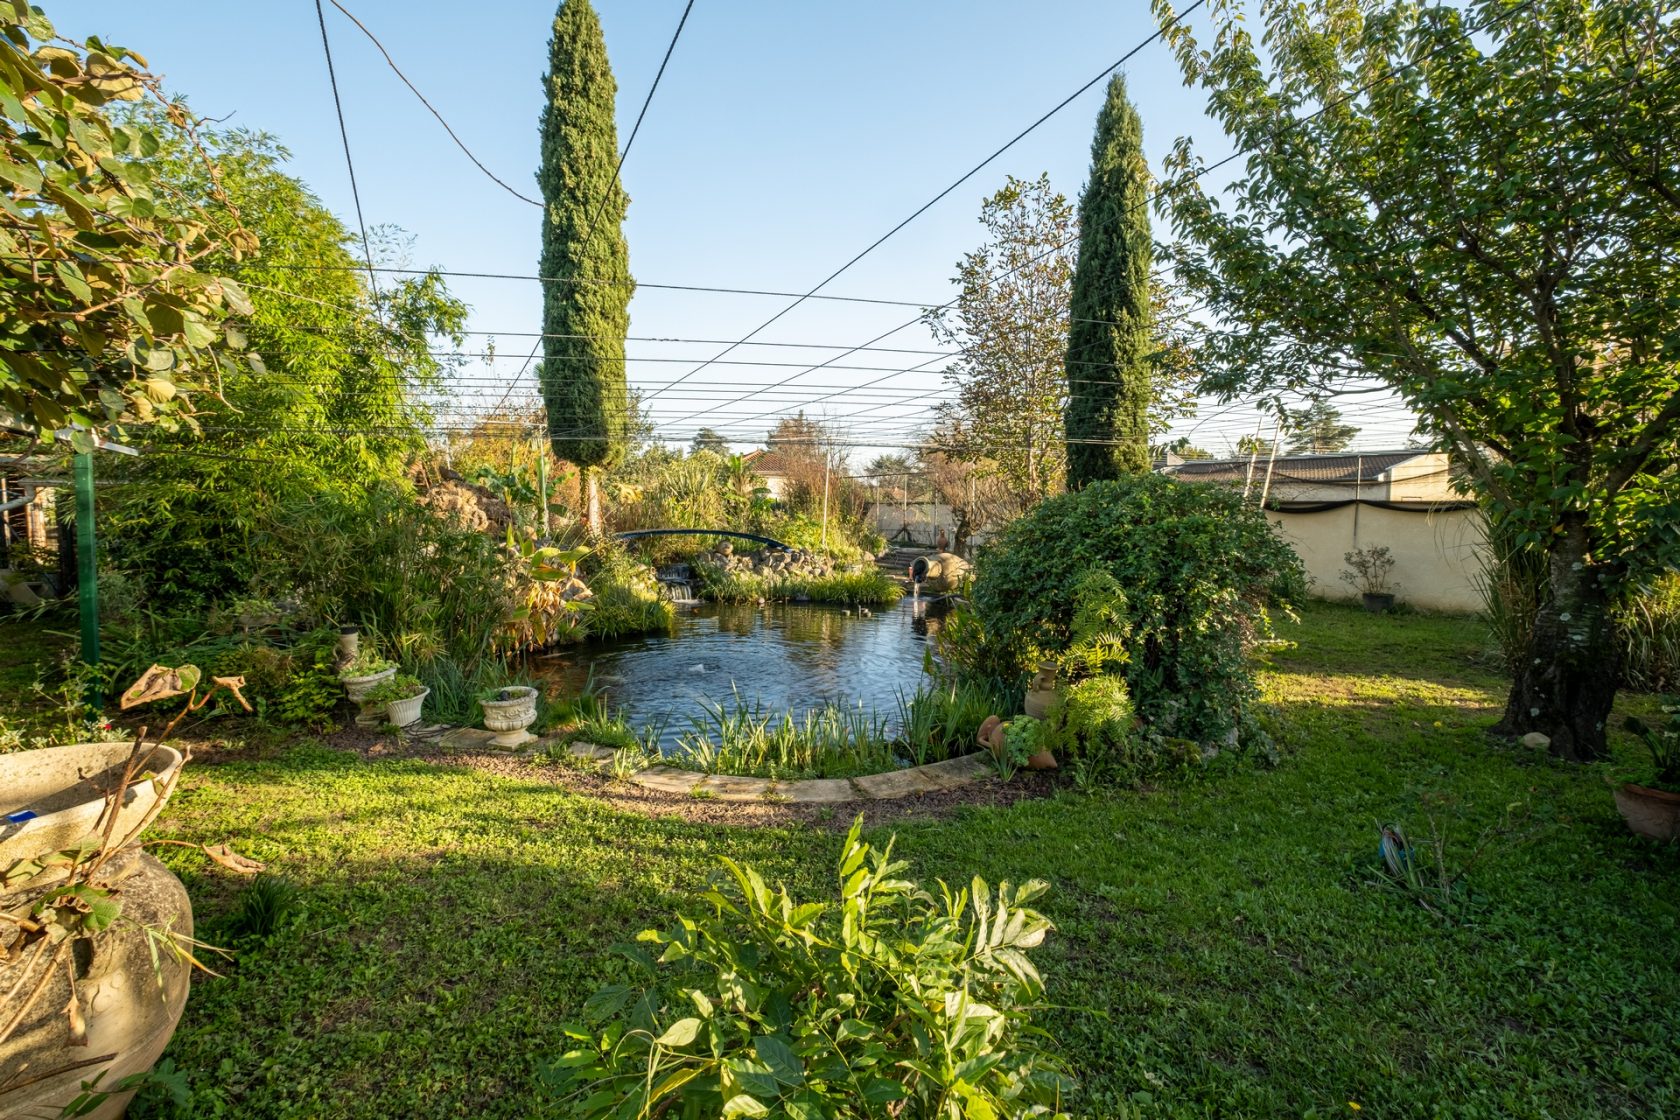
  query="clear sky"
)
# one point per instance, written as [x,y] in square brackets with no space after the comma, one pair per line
[784,138]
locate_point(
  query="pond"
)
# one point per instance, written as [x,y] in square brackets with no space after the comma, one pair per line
[781,657]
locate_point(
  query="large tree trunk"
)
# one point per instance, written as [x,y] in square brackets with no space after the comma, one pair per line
[1567,682]
[592,499]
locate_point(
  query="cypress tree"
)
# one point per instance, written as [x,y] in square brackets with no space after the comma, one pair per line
[1109,335]
[586,296]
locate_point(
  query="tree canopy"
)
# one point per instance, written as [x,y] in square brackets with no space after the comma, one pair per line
[1109,336]
[585,262]
[1317,429]
[113,315]
[1476,206]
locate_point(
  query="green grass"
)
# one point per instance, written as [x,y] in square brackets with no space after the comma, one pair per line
[1220,950]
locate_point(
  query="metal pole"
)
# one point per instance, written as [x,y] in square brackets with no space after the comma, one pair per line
[825,506]
[542,484]
[1265,487]
[87,559]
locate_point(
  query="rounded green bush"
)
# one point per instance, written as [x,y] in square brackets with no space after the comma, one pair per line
[1199,568]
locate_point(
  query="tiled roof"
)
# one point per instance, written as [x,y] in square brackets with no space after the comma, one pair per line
[1346,469]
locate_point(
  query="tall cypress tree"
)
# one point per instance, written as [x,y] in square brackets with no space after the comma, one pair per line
[1109,336]
[586,293]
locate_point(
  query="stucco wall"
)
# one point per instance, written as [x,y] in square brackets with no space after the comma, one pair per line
[1437,556]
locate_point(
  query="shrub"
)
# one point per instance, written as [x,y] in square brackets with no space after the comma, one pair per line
[1650,629]
[888,1001]
[627,598]
[1198,566]
[1094,721]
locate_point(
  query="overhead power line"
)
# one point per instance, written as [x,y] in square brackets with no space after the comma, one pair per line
[344,134]
[959,181]
[459,143]
[1189,178]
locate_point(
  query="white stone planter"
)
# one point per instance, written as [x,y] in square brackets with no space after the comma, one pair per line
[357,688]
[129,998]
[401,713]
[511,717]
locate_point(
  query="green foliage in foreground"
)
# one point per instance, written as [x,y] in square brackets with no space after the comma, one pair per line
[868,586]
[1218,948]
[891,1002]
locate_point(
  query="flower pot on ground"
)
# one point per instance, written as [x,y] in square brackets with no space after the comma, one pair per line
[1368,569]
[509,711]
[1377,602]
[1653,809]
[401,698]
[362,673]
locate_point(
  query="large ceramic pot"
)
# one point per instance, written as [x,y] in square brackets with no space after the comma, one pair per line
[1650,812]
[510,717]
[1041,691]
[130,1002]
[403,712]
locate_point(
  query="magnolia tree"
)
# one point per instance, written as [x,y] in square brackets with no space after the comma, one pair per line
[1479,206]
[110,316]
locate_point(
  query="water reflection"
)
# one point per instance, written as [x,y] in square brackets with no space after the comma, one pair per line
[781,656]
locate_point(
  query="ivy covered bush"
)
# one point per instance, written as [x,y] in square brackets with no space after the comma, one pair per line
[1200,570]
[887,1001]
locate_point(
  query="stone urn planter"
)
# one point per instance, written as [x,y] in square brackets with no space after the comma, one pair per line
[50,799]
[509,713]
[402,713]
[1654,813]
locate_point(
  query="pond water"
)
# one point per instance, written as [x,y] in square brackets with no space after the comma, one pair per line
[782,657]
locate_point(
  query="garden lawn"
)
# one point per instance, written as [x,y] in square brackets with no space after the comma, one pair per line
[1221,949]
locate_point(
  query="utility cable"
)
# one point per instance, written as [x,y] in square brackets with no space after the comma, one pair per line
[344,134]
[967,175]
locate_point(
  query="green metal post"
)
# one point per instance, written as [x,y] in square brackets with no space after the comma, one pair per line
[542,486]
[87,558]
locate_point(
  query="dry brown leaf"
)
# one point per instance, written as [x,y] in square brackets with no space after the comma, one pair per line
[232,860]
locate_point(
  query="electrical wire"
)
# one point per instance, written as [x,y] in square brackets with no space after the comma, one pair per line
[344,134]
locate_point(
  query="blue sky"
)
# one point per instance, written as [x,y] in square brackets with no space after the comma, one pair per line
[783,139]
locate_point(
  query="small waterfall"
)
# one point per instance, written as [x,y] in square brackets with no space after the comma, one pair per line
[676,581]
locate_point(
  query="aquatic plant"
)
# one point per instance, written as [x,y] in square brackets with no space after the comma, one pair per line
[941,721]
[826,742]
[870,586]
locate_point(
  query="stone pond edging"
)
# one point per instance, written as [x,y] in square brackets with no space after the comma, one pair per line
[932,777]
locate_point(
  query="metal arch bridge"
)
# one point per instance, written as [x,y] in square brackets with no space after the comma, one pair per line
[770,541]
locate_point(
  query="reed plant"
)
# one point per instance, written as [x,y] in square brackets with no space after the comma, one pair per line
[826,742]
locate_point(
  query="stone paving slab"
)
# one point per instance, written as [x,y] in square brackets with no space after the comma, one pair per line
[467,739]
[590,751]
[729,787]
[667,779]
[816,791]
[895,783]
[954,772]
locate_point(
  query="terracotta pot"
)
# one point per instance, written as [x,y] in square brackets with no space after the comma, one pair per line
[1650,812]
[1043,760]
[1039,702]
[991,735]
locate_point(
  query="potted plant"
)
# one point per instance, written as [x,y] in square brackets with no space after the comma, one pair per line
[401,697]
[1015,744]
[363,671]
[1654,810]
[1368,569]
[509,711]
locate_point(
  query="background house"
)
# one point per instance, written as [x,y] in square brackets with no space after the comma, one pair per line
[1326,506]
